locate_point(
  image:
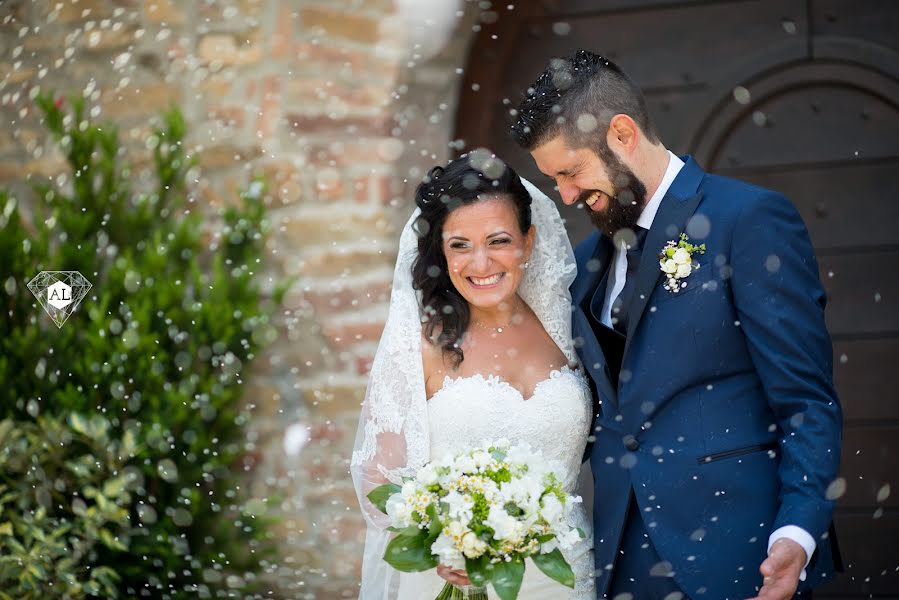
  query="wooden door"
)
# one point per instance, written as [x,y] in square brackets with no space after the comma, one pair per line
[800,96]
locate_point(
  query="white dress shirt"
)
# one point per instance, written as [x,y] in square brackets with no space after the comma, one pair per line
[619,271]
[618,274]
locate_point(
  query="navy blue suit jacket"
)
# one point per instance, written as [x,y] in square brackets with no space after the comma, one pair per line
[724,424]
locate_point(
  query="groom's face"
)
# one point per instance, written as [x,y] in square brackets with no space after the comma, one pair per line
[604,186]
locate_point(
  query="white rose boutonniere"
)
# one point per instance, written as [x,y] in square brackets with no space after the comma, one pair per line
[677,263]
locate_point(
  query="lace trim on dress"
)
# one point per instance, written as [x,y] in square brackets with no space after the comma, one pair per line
[494,380]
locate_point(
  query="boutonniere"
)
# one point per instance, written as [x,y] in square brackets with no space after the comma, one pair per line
[676,262]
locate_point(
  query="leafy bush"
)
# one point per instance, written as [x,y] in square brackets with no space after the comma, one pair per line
[64,491]
[159,349]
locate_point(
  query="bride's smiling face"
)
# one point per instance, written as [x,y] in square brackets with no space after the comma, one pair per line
[485,250]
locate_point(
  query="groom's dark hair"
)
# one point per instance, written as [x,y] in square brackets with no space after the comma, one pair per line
[576,97]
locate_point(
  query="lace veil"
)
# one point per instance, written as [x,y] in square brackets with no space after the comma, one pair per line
[392,439]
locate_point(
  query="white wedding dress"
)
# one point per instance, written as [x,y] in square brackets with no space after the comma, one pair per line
[555,420]
[401,430]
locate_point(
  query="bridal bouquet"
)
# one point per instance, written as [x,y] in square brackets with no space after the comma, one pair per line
[484,510]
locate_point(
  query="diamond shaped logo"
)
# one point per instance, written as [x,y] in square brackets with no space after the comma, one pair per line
[59,292]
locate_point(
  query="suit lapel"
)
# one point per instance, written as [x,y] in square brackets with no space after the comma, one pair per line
[677,207]
[586,286]
[587,281]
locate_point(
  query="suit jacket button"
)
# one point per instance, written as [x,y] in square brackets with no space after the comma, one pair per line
[631,443]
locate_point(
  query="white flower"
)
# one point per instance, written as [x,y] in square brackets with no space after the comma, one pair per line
[449,477]
[543,470]
[505,527]
[680,264]
[681,256]
[502,444]
[491,491]
[445,549]
[521,455]
[456,530]
[466,464]
[427,475]
[410,488]
[568,539]
[524,492]
[447,462]
[552,510]
[668,266]
[400,512]
[460,506]
[482,460]
[472,546]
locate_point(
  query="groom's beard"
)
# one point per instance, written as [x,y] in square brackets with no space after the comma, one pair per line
[627,204]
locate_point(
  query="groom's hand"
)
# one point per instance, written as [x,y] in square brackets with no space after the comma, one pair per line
[780,571]
[457,577]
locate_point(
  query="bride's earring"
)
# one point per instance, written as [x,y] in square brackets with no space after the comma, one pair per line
[525,264]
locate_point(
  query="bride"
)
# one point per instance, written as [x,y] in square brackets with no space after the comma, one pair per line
[477,347]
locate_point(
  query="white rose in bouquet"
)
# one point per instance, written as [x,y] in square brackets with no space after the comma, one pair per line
[472,545]
[444,547]
[398,511]
[552,510]
[459,505]
[427,475]
[505,527]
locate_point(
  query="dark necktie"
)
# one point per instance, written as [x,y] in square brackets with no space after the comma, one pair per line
[621,304]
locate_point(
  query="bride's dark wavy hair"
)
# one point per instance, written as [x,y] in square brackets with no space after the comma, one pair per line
[459,183]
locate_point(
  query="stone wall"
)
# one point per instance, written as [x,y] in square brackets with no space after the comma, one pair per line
[330,101]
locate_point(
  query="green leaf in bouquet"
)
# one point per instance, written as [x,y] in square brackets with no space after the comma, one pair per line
[513,510]
[479,570]
[506,578]
[410,551]
[381,494]
[436,526]
[554,566]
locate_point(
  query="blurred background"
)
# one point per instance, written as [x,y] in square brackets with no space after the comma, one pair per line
[231,177]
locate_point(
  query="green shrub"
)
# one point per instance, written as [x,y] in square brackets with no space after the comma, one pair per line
[64,492]
[159,348]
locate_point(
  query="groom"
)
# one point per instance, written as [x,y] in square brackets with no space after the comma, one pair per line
[718,428]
